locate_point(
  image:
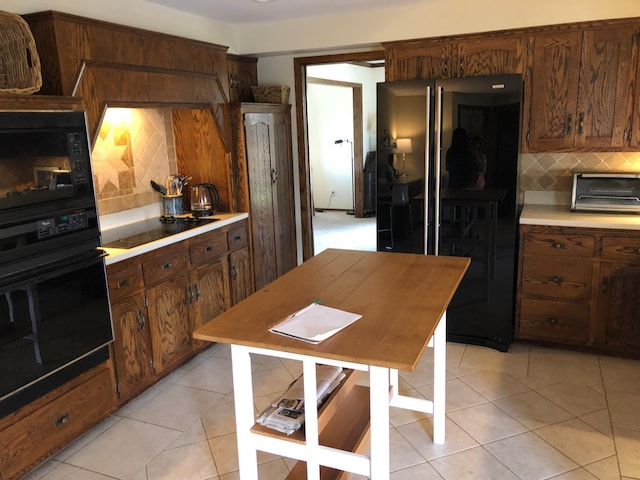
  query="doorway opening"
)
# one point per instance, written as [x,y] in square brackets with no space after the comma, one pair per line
[332,170]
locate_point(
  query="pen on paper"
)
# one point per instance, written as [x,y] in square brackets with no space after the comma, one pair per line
[305,309]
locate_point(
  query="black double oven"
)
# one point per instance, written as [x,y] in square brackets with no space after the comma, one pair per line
[54,310]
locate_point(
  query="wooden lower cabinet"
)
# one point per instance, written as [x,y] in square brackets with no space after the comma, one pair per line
[34,432]
[159,298]
[169,314]
[579,287]
[134,355]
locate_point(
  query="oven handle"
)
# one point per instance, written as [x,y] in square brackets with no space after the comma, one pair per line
[608,197]
[74,259]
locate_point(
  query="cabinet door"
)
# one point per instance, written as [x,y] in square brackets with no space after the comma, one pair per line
[606,87]
[240,275]
[423,61]
[209,291]
[132,346]
[554,90]
[283,199]
[257,129]
[170,324]
[270,172]
[492,56]
[243,74]
[618,305]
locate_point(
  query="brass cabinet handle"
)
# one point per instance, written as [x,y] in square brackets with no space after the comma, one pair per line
[234,272]
[555,244]
[196,292]
[167,265]
[569,123]
[580,122]
[141,320]
[189,294]
[124,283]
[58,422]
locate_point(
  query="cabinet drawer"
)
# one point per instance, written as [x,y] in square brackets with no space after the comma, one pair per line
[202,250]
[557,278]
[124,280]
[49,428]
[238,238]
[165,263]
[556,244]
[621,248]
[546,319]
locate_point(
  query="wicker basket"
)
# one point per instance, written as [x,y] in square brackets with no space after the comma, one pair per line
[275,94]
[19,60]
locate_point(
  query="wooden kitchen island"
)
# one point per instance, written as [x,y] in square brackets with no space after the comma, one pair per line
[402,299]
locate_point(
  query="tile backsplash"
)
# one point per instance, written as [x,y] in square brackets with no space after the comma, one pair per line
[133,147]
[553,171]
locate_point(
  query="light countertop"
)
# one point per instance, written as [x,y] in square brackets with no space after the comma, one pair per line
[118,254]
[562,216]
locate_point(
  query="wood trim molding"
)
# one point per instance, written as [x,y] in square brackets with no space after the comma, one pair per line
[104,84]
[300,86]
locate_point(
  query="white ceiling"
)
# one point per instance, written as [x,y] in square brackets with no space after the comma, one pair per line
[253,11]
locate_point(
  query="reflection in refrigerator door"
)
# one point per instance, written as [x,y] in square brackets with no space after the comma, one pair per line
[454,191]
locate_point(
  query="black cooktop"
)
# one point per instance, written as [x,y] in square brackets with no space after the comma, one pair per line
[146,231]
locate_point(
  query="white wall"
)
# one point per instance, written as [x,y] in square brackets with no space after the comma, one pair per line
[330,118]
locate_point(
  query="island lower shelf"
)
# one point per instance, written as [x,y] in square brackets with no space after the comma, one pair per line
[343,423]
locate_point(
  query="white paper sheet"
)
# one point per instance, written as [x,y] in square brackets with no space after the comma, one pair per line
[315,323]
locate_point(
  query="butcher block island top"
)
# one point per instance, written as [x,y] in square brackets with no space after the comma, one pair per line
[401,298]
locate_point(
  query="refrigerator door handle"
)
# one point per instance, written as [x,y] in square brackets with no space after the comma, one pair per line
[425,210]
[437,168]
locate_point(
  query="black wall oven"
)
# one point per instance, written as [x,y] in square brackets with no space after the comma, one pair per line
[54,310]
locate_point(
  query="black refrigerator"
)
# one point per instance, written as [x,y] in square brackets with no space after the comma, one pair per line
[446,184]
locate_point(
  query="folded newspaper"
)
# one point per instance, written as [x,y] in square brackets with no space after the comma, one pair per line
[286,413]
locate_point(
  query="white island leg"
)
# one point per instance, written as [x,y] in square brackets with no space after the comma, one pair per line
[439,379]
[243,401]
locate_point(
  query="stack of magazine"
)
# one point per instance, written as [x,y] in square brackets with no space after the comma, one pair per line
[286,413]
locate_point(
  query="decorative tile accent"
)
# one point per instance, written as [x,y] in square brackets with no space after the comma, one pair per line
[553,171]
[129,152]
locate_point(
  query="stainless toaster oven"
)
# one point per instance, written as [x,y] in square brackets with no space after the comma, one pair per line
[606,192]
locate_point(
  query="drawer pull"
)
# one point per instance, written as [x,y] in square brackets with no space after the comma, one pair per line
[61,420]
[208,248]
[167,265]
[196,292]
[234,272]
[141,320]
[605,285]
[124,283]
[559,245]
[553,321]
[557,280]
[238,238]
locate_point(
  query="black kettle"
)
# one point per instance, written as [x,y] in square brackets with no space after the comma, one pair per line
[204,199]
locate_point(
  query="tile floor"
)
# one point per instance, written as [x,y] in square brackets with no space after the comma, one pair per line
[532,413]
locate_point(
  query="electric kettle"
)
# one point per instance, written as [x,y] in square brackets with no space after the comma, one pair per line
[204,199]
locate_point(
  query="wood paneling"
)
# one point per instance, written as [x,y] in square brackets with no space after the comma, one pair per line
[65,41]
[202,153]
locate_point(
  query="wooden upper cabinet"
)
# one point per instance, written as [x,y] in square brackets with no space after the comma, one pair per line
[605,93]
[243,73]
[554,90]
[420,61]
[582,89]
[491,56]
[433,59]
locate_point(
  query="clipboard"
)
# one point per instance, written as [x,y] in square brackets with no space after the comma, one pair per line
[314,323]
